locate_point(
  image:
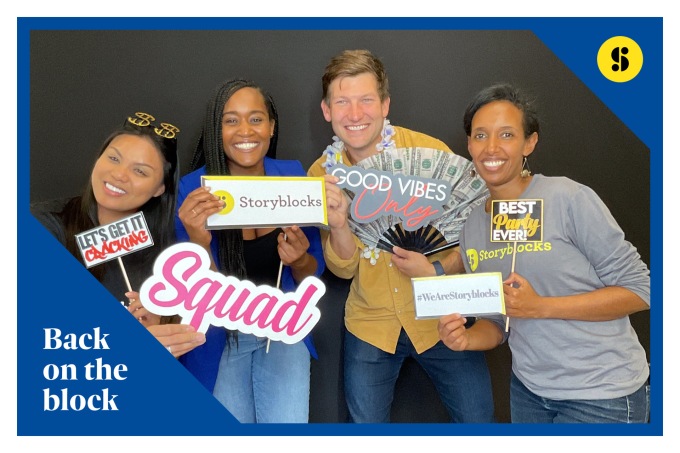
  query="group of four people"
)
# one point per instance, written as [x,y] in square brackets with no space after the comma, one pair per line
[575,355]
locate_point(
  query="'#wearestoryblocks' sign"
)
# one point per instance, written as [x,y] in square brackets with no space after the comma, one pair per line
[378,193]
[270,201]
[467,294]
[116,239]
[183,283]
[516,220]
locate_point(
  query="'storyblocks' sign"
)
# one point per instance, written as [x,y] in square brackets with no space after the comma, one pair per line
[268,201]
[467,294]
[116,239]
[183,283]
[516,220]
[415,200]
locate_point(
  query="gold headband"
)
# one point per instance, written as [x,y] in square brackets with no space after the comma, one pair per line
[141,119]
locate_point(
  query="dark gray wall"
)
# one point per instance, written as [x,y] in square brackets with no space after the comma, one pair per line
[83,84]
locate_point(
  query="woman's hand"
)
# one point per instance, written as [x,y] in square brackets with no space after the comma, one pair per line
[293,246]
[178,339]
[521,300]
[138,311]
[341,237]
[336,203]
[194,212]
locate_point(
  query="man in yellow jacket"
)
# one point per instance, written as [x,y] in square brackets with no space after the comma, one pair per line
[381,329]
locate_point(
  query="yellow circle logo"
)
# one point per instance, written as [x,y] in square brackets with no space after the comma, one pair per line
[619,59]
[473,259]
[228,201]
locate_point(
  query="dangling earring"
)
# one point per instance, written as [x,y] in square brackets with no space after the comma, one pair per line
[526,171]
[472,173]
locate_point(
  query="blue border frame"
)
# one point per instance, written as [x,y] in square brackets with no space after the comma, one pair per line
[575,41]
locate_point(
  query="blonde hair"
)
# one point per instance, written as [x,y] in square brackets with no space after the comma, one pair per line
[350,63]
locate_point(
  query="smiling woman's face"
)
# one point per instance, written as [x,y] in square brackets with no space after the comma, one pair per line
[127,174]
[246,132]
[497,145]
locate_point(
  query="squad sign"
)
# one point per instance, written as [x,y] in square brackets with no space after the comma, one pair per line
[416,201]
[183,283]
[516,220]
[271,201]
[116,239]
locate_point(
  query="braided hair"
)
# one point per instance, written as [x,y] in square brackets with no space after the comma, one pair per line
[210,152]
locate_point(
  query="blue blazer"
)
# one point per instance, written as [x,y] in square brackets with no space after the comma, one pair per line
[203,361]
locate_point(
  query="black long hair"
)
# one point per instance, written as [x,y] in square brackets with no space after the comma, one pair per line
[80,213]
[210,152]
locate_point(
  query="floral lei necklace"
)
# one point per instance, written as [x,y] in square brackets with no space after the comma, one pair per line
[333,154]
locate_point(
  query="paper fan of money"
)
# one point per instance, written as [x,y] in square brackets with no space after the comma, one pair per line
[467,191]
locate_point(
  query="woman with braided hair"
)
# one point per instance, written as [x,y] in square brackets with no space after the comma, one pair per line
[257,381]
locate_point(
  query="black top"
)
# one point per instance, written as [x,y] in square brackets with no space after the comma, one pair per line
[262,258]
[113,279]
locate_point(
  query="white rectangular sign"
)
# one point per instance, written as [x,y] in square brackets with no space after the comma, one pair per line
[269,201]
[467,294]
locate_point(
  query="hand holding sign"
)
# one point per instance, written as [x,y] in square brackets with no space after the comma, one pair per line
[521,300]
[178,339]
[336,202]
[293,246]
[194,212]
[137,310]
[516,220]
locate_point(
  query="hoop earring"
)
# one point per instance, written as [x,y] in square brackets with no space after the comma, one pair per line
[526,171]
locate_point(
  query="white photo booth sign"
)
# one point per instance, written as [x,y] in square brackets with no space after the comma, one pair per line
[270,201]
[467,294]
[107,242]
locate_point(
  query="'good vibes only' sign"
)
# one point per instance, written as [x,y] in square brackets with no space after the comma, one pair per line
[378,193]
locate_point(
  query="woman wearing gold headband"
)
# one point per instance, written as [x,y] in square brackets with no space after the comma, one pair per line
[135,171]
